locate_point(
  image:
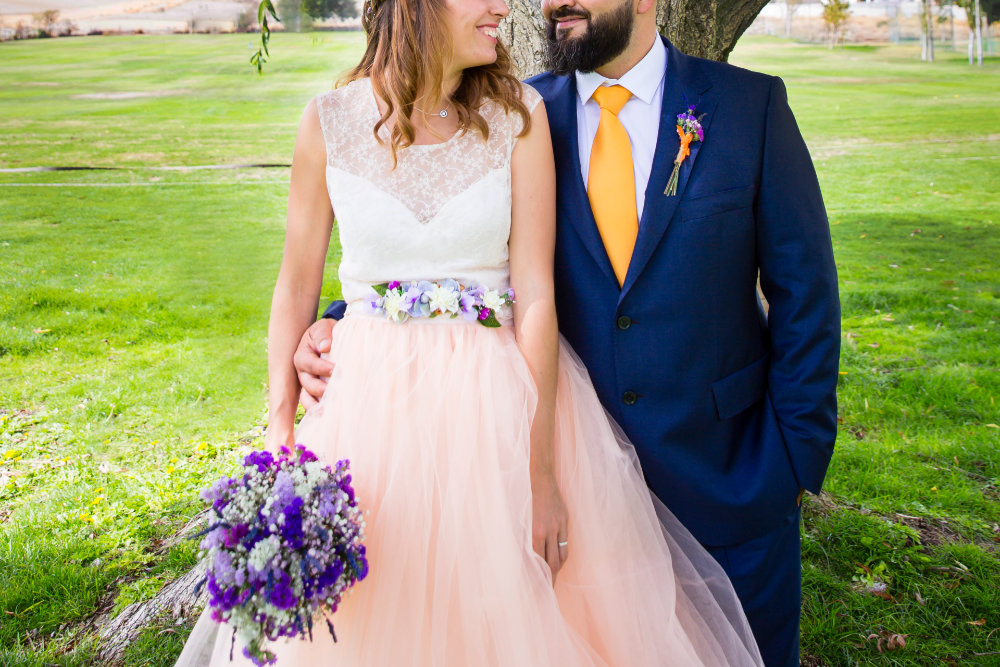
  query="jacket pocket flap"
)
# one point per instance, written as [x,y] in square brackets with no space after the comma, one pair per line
[738,391]
[712,203]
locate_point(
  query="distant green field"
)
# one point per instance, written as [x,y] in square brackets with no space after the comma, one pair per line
[133,311]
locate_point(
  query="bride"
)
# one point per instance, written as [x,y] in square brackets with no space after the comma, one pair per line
[509,523]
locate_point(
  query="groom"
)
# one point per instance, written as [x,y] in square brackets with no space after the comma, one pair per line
[732,412]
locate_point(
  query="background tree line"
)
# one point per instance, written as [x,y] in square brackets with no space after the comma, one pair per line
[298,15]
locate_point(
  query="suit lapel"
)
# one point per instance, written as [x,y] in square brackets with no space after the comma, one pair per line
[681,88]
[561,109]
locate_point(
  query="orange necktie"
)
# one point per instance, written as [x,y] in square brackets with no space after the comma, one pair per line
[611,181]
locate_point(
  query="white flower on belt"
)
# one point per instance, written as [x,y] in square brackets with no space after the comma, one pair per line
[493,300]
[444,299]
[394,306]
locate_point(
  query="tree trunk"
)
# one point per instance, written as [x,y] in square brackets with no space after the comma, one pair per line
[703,29]
[979,36]
[706,30]
[523,31]
[951,24]
[930,31]
[177,599]
[923,29]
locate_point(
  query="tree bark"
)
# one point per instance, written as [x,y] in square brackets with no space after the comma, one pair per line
[176,598]
[704,29]
[523,31]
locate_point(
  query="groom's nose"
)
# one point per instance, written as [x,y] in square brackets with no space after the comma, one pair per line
[549,6]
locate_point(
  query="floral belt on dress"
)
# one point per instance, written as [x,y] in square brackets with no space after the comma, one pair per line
[400,301]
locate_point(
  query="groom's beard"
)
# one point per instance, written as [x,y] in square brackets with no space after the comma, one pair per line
[606,37]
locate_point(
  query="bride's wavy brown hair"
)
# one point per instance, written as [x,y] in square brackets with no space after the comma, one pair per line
[408,49]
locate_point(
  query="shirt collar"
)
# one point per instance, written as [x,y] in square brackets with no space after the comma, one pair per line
[642,80]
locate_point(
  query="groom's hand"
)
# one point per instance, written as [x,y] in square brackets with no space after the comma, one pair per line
[312,369]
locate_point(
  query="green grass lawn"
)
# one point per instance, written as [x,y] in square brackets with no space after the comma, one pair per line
[133,310]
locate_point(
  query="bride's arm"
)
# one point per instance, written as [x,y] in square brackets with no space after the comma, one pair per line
[297,292]
[532,246]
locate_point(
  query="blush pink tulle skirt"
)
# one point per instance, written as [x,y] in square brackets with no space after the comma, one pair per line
[434,416]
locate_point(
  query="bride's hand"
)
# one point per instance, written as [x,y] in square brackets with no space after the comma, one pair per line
[549,522]
[312,369]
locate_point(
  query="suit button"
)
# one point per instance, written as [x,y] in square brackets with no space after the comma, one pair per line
[624,322]
[630,397]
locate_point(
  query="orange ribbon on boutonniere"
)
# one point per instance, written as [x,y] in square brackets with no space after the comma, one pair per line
[688,129]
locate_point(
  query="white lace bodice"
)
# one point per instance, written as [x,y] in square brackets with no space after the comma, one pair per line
[443,212]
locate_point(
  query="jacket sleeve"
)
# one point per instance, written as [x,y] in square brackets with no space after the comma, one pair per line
[799,279]
[335,311]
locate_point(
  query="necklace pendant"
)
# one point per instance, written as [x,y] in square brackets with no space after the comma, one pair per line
[444,113]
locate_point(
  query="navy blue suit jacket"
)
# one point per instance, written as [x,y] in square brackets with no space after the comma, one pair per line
[730,412]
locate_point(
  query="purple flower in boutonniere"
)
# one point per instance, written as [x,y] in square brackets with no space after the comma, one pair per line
[689,129]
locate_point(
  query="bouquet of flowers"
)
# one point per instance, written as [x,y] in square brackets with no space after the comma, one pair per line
[287,543]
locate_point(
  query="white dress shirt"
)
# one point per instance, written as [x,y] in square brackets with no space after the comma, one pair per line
[640,116]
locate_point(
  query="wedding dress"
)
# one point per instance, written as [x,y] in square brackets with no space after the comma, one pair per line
[434,416]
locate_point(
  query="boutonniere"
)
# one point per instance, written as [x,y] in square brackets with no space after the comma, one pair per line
[688,129]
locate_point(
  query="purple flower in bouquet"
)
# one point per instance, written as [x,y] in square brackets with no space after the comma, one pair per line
[262,460]
[287,543]
[234,535]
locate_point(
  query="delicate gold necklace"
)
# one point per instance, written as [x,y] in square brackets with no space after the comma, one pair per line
[443,113]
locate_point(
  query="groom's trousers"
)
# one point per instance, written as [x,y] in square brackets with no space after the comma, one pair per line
[767,575]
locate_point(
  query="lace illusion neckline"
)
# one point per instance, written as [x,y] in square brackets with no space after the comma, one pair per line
[376,114]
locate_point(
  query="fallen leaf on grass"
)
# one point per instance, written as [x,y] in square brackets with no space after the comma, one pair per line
[981,621]
[885,595]
[992,426]
[41,330]
[892,641]
[920,600]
